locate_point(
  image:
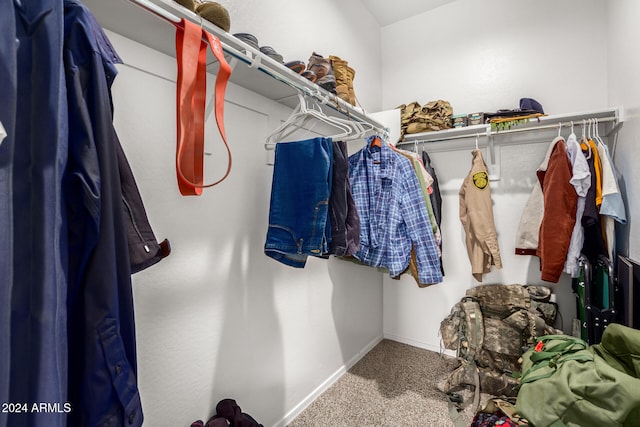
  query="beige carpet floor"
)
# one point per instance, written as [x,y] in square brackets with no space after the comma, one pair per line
[393,385]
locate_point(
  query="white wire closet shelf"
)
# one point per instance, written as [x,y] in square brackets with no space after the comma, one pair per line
[609,119]
[613,116]
[142,21]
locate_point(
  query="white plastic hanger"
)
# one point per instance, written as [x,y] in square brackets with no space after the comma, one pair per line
[301,115]
[597,132]
[584,138]
[355,127]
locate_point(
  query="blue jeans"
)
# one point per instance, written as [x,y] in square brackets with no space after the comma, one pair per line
[298,216]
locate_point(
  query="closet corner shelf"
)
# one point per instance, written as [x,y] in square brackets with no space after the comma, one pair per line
[612,116]
[140,20]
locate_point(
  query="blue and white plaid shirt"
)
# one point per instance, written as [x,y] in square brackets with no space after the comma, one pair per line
[393,214]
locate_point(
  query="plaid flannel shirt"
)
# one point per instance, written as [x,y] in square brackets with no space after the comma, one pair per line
[393,214]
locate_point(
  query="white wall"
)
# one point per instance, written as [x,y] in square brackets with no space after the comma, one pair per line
[624,89]
[482,56]
[218,318]
[329,27]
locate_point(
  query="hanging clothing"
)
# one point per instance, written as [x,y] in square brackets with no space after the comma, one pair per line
[581,181]
[594,244]
[101,332]
[476,216]
[67,336]
[343,214]
[612,208]
[591,150]
[528,233]
[435,197]
[8,95]
[560,205]
[33,347]
[144,249]
[434,191]
[299,224]
[393,214]
[425,180]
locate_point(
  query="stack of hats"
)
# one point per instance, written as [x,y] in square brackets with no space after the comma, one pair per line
[506,119]
[210,10]
[271,53]
[215,13]
[249,39]
[252,41]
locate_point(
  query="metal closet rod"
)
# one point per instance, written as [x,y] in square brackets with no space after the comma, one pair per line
[487,132]
[256,62]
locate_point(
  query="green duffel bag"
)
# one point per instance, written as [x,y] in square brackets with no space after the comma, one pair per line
[566,383]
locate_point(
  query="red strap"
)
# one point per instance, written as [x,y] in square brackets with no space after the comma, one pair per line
[191,55]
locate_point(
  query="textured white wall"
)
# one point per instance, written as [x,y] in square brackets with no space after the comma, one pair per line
[624,89]
[218,318]
[329,27]
[482,56]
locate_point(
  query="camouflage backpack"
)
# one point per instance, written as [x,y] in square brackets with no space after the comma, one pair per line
[490,328]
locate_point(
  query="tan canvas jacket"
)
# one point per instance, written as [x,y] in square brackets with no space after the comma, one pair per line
[476,215]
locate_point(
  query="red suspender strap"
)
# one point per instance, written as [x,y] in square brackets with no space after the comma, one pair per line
[191,55]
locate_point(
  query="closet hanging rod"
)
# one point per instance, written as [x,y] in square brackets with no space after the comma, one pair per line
[258,60]
[491,133]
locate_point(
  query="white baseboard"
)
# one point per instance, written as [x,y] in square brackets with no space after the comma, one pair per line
[291,415]
[419,344]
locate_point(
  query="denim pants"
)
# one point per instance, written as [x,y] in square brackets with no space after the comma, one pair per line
[298,217]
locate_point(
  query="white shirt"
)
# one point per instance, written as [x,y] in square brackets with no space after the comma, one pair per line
[612,208]
[581,181]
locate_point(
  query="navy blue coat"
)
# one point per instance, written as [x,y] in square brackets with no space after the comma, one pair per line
[101,334]
[33,319]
